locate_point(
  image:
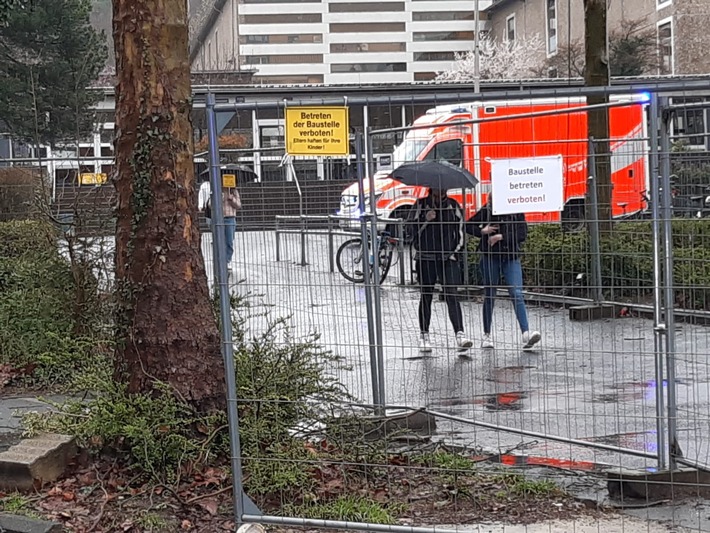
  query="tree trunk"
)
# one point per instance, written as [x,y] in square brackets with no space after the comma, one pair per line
[166,326]
[596,74]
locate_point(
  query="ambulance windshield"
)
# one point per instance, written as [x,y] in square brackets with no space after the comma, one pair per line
[408,151]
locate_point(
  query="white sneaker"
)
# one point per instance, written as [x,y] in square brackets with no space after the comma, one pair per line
[462,341]
[487,342]
[424,344]
[530,339]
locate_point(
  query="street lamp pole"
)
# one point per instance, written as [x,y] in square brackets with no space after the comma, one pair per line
[476,49]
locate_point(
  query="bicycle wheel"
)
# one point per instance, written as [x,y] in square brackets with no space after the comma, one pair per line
[349,260]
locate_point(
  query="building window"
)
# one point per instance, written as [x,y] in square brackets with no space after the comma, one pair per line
[339,68]
[281,18]
[350,48]
[660,4]
[362,27]
[424,76]
[419,36]
[365,7]
[689,121]
[434,56]
[665,46]
[280,1]
[510,28]
[426,16]
[551,27]
[283,59]
[286,80]
[281,39]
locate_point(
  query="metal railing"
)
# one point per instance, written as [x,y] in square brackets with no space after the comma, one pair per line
[331,230]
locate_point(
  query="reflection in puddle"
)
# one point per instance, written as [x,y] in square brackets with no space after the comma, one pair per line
[504,401]
[631,391]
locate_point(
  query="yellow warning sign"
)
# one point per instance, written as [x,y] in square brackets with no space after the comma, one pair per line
[88,178]
[317,131]
[229,181]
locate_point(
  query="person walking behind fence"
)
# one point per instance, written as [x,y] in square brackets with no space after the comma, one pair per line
[500,246]
[437,224]
[231,203]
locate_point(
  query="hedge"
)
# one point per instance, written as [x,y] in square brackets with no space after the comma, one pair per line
[553,260]
[36,292]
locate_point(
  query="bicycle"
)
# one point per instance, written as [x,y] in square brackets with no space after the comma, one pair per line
[350,261]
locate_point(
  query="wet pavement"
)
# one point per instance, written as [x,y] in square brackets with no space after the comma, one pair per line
[590,381]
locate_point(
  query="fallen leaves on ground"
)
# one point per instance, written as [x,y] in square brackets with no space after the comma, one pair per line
[105,497]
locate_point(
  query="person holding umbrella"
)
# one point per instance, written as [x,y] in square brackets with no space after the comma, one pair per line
[501,240]
[437,223]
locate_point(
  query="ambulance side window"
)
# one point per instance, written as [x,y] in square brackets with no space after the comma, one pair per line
[451,151]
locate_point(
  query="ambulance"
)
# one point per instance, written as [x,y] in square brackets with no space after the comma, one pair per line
[518,129]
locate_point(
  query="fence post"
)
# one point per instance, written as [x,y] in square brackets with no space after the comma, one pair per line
[278,241]
[594,229]
[657,296]
[376,285]
[371,337]
[400,250]
[225,308]
[669,292]
[303,241]
[331,248]
[466,278]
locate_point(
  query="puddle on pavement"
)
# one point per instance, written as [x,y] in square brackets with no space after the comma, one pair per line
[635,440]
[503,401]
[631,391]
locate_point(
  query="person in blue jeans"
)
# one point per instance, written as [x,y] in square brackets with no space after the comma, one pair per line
[231,203]
[500,246]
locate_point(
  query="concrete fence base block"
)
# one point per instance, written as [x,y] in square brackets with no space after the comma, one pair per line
[40,459]
[655,486]
[585,313]
[22,524]
[396,426]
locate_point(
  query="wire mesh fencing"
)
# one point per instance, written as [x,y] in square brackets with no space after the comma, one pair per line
[350,418]
[589,399]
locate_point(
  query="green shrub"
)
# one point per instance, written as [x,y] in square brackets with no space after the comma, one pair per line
[553,259]
[38,295]
[282,383]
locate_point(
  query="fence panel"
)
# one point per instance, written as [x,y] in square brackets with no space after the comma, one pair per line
[481,435]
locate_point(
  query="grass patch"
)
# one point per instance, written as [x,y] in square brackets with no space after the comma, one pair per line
[349,509]
[17,504]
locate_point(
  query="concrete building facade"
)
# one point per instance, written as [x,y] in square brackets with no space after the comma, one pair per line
[679,25]
[334,41]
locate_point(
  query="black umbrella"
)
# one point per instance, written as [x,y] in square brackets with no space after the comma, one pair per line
[440,175]
[243,172]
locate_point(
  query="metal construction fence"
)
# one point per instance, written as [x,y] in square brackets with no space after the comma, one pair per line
[619,381]
[607,417]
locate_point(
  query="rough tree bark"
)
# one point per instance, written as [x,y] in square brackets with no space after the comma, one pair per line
[166,327]
[596,74]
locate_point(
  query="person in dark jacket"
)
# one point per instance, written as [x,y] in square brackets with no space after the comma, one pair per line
[500,245]
[437,224]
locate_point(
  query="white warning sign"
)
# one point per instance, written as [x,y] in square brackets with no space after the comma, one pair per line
[527,185]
